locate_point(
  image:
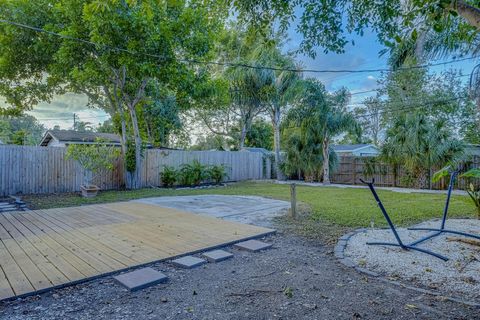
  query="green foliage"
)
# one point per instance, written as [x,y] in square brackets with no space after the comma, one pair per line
[372,165]
[192,174]
[329,24]
[472,173]
[418,144]
[217,173]
[318,116]
[160,114]
[93,158]
[22,130]
[169,176]
[130,160]
[474,193]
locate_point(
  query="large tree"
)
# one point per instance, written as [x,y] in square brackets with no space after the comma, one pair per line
[22,130]
[328,24]
[108,50]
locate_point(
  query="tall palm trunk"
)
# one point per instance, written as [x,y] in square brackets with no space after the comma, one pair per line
[243,135]
[326,162]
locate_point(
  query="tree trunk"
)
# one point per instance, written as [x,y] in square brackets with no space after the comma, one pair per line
[136,182]
[276,143]
[243,135]
[326,162]
[124,133]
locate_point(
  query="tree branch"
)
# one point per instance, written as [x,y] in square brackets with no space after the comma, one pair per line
[467,11]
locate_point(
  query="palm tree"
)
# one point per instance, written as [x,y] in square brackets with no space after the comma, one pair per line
[321,117]
[279,89]
[419,144]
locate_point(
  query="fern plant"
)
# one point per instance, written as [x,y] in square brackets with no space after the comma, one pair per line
[169,176]
[217,173]
[472,191]
[192,174]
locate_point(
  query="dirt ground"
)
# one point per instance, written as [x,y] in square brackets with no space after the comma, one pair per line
[297,279]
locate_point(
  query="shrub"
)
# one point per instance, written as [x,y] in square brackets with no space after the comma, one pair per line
[169,176]
[193,173]
[217,173]
[93,158]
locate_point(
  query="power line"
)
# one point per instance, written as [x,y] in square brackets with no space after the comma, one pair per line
[229,64]
[77,117]
[411,106]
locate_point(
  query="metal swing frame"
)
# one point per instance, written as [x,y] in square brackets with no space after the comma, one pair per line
[436,231]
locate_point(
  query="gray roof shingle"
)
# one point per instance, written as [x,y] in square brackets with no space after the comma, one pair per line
[349,147]
[75,136]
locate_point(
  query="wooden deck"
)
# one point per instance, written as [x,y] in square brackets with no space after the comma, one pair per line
[43,249]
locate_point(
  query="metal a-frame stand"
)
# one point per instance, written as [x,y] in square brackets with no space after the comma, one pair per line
[437,231]
[394,230]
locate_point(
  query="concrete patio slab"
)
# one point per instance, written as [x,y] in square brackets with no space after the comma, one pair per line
[252,245]
[188,262]
[140,279]
[244,209]
[217,255]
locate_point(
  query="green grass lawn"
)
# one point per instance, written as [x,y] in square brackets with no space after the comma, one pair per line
[344,207]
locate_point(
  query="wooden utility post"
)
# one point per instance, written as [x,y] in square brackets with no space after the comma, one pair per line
[293,200]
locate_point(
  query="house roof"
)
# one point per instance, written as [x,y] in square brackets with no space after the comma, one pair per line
[70,136]
[351,147]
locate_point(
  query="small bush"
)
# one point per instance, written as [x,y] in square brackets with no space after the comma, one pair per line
[192,174]
[169,176]
[217,173]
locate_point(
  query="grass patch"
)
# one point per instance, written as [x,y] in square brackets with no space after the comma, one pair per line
[343,207]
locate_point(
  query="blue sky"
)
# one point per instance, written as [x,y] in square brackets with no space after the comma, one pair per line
[363,55]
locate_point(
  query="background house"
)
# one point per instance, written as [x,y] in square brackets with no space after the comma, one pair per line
[63,138]
[357,150]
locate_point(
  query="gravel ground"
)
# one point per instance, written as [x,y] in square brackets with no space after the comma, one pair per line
[296,279]
[459,276]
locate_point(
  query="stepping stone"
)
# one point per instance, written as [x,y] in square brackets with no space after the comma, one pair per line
[8,209]
[188,262]
[252,245]
[140,279]
[217,255]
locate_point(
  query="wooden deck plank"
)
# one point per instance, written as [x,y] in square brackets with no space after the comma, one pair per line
[94,259]
[5,288]
[16,278]
[55,276]
[78,241]
[44,248]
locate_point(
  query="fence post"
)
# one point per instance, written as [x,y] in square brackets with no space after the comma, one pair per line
[354,167]
[293,200]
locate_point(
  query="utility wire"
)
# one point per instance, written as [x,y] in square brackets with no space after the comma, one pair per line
[228,64]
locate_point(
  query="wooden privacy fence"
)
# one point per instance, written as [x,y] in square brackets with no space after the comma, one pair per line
[350,169]
[31,169]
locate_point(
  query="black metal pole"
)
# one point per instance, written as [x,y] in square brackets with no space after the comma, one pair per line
[385,214]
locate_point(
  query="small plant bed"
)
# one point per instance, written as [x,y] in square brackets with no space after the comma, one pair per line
[458,277]
[193,174]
